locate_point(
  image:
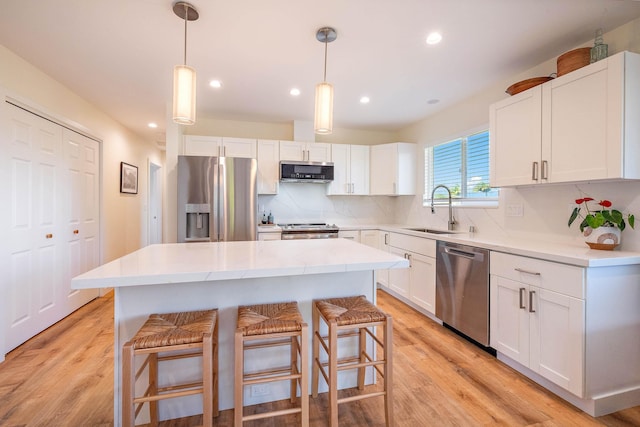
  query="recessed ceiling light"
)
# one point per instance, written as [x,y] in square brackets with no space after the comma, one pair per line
[364,100]
[153,125]
[434,38]
[433,101]
[294,92]
[215,83]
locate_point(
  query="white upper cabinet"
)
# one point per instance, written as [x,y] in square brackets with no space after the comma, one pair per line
[351,170]
[268,166]
[239,147]
[577,127]
[515,134]
[305,151]
[393,169]
[195,145]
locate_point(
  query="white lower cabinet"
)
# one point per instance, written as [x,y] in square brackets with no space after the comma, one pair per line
[370,238]
[269,235]
[350,235]
[382,276]
[417,283]
[399,277]
[538,317]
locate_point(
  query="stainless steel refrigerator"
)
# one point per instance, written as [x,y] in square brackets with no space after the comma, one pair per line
[217,199]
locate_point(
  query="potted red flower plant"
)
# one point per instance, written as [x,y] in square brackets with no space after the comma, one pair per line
[602,226]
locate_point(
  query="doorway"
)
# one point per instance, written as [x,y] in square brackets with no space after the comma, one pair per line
[155,204]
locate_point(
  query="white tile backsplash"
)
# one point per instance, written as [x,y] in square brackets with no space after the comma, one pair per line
[545,210]
[302,202]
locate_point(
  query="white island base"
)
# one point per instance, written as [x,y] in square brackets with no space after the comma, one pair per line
[184,277]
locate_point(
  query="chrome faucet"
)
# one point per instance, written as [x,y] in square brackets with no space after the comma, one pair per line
[452,220]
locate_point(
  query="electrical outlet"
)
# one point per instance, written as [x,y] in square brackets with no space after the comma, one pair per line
[259,390]
[515,209]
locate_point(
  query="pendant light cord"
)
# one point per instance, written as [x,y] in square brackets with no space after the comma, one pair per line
[326,36]
[186,18]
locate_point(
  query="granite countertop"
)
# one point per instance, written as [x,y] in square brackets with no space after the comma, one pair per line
[198,262]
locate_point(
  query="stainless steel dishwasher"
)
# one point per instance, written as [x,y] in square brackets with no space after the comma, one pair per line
[462,289]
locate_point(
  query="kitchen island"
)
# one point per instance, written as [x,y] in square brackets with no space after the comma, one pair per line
[196,276]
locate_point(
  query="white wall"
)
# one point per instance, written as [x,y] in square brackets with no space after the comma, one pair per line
[546,208]
[124,222]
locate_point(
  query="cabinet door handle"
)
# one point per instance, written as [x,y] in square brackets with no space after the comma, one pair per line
[49,236]
[534,171]
[76,231]
[545,169]
[523,291]
[408,256]
[386,238]
[531,293]
[533,273]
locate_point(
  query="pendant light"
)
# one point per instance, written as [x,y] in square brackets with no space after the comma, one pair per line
[184,77]
[323,121]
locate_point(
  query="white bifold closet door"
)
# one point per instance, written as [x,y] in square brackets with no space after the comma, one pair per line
[54,222]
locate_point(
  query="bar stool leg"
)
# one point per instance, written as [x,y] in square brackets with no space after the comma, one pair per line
[304,370]
[362,348]
[216,405]
[128,386]
[294,366]
[316,351]
[239,375]
[154,414]
[388,371]
[333,374]
[207,381]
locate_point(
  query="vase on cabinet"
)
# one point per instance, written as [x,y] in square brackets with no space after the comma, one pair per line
[603,238]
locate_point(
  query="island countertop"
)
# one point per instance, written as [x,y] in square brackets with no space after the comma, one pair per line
[200,262]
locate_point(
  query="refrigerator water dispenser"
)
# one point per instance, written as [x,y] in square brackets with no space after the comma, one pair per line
[197,221]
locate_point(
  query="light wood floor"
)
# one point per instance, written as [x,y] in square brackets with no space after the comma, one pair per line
[64,377]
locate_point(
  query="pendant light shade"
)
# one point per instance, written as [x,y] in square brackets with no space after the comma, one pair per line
[184,95]
[184,77]
[323,119]
[323,122]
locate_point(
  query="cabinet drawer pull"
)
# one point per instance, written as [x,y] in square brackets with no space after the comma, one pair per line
[523,291]
[545,169]
[531,293]
[48,236]
[76,231]
[534,171]
[533,273]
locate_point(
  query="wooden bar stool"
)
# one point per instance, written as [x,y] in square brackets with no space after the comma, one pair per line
[272,325]
[351,317]
[166,337]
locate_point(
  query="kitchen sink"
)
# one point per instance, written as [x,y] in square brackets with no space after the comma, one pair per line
[430,230]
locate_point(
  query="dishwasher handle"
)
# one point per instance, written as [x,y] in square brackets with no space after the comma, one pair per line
[476,256]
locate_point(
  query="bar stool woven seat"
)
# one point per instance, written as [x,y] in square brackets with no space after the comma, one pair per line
[165,337]
[268,326]
[269,318]
[349,311]
[352,317]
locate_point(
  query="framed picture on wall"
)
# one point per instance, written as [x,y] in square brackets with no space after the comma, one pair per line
[128,178]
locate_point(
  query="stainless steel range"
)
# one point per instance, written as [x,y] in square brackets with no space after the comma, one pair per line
[309,231]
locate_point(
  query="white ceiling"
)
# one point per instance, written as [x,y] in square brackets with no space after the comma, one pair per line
[119,54]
